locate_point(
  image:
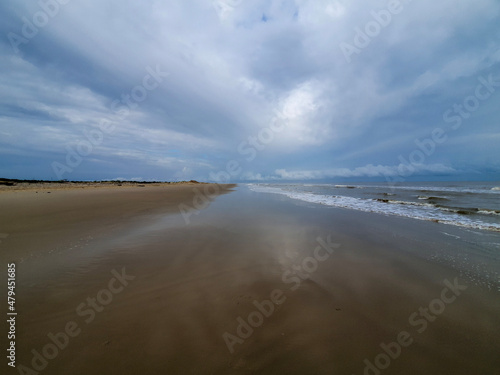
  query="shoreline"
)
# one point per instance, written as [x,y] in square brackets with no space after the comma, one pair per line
[8,185]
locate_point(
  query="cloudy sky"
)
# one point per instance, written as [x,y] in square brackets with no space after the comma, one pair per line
[241,90]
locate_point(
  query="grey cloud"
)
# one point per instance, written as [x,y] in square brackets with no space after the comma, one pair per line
[232,71]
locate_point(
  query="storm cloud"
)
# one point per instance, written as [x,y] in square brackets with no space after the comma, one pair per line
[245,90]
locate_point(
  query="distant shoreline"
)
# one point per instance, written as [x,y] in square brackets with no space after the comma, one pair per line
[7,184]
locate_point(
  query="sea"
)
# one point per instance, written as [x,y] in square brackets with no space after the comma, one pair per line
[466,204]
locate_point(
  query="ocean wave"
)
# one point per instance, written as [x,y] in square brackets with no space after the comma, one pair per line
[405,202]
[415,210]
[385,194]
[440,189]
[486,211]
[459,210]
[456,210]
[431,198]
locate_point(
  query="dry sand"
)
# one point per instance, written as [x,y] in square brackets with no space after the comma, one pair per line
[188,285]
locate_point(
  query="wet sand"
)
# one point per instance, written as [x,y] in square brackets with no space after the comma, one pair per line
[142,292]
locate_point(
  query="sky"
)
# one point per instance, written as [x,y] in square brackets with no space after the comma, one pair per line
[250,90]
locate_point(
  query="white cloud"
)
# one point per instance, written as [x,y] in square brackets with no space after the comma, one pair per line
[365,171]
[302,110]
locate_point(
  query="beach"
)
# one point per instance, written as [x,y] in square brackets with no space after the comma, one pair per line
[124,280]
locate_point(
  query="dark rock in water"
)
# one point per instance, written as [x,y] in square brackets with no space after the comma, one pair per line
[383,200]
